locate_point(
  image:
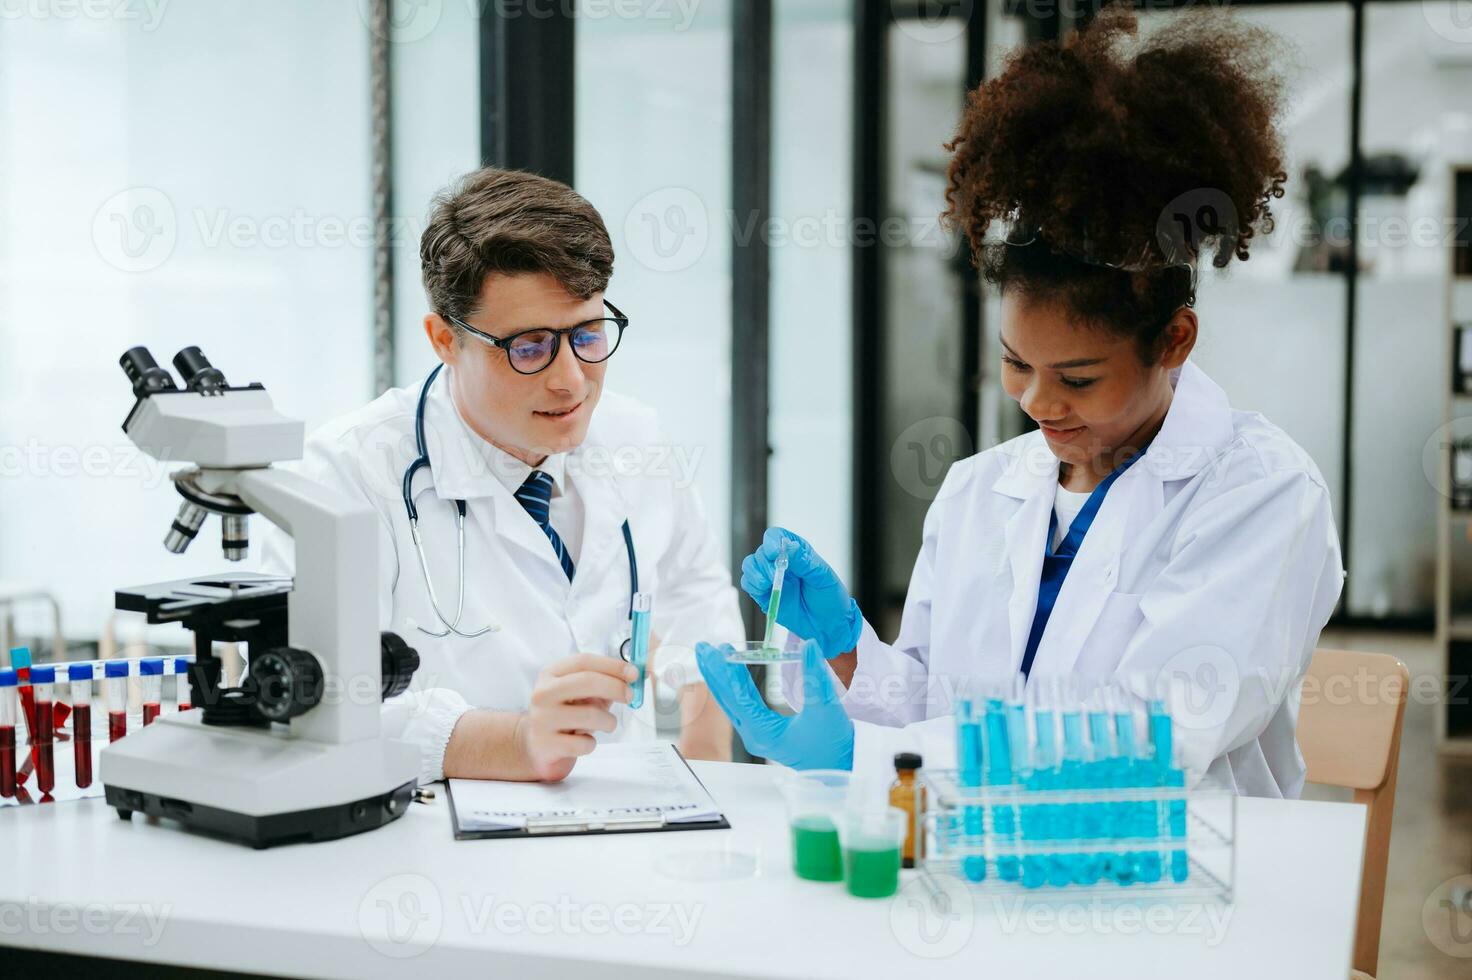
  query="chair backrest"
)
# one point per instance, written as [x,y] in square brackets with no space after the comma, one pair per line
[1349,727]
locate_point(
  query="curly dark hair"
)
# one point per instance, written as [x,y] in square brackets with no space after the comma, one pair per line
[1108,150]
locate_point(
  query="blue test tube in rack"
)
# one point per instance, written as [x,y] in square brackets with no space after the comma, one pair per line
[999,773]
[1170,775]
[1100,774]
[1037,819]
[968,767]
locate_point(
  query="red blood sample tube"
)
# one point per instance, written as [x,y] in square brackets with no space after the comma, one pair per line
[116,672]
[9,715]
[151,673]
[43,679]
[80,676]
[181,684]
[20,660]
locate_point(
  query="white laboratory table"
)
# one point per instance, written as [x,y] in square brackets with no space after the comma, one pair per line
[408,897]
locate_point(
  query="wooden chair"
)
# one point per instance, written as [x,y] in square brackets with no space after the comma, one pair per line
[1349,729]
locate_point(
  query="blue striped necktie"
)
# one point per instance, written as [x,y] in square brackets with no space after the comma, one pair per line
[535,496]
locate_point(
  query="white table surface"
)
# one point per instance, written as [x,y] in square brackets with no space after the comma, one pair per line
[75,878]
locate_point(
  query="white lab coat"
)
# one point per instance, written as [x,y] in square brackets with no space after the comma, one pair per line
[625,469]
[1215,555]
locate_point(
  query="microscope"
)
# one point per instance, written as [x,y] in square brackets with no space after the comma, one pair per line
[294,752]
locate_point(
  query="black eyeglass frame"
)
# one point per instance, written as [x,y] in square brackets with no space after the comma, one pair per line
[557,334]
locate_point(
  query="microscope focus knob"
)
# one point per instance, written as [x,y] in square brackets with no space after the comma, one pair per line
[287,681]
[399,661]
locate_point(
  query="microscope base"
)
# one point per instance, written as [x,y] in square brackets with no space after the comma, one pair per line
[258,785]
[323,823]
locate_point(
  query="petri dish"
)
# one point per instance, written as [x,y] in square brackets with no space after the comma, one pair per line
[709,865]
[753,652]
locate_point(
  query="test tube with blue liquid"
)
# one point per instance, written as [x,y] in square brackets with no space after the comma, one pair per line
[1037,819]
[1169,774]
[968,765]
[1071,867]
[1133,819]
[998,755]
[643,605]
[1099,775]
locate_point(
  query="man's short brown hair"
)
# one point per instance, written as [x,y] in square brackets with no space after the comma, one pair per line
[510,222]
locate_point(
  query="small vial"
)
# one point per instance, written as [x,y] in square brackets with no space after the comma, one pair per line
[904,795]
[116,673]
[80,676]
[182,701]
[43,680]
[9,714]
[151,672]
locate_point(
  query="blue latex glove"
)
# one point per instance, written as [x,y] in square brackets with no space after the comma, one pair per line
[815,605]
[821,736]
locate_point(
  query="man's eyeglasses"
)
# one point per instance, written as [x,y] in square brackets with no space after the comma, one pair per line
[533,350]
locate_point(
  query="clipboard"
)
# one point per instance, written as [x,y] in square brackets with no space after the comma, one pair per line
[565,821]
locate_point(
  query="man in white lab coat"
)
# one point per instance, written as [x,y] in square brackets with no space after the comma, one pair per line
[567,494]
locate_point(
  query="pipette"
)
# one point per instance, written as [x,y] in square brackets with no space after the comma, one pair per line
[775,600]
[639,644]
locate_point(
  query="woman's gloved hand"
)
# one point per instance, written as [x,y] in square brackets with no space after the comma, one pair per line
[814,605]
[821,736]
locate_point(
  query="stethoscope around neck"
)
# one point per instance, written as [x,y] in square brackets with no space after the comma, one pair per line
[422,462]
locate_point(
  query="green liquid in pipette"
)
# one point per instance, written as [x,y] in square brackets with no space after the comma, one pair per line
[772,604]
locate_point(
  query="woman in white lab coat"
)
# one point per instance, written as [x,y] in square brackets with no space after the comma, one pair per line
[518,628]
[1146,529]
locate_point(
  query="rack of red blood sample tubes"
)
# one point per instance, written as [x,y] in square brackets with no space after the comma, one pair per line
[51,704]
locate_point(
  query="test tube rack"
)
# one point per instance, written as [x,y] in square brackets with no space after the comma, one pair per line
[1147,844]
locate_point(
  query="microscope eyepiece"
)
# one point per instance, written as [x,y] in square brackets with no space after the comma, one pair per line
[197,371]
[147,377]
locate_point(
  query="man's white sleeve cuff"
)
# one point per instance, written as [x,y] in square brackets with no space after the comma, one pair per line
[435,730]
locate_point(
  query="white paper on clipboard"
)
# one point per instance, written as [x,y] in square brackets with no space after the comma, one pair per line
[617,781]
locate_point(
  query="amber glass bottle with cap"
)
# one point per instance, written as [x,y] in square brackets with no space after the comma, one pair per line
[905,794]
